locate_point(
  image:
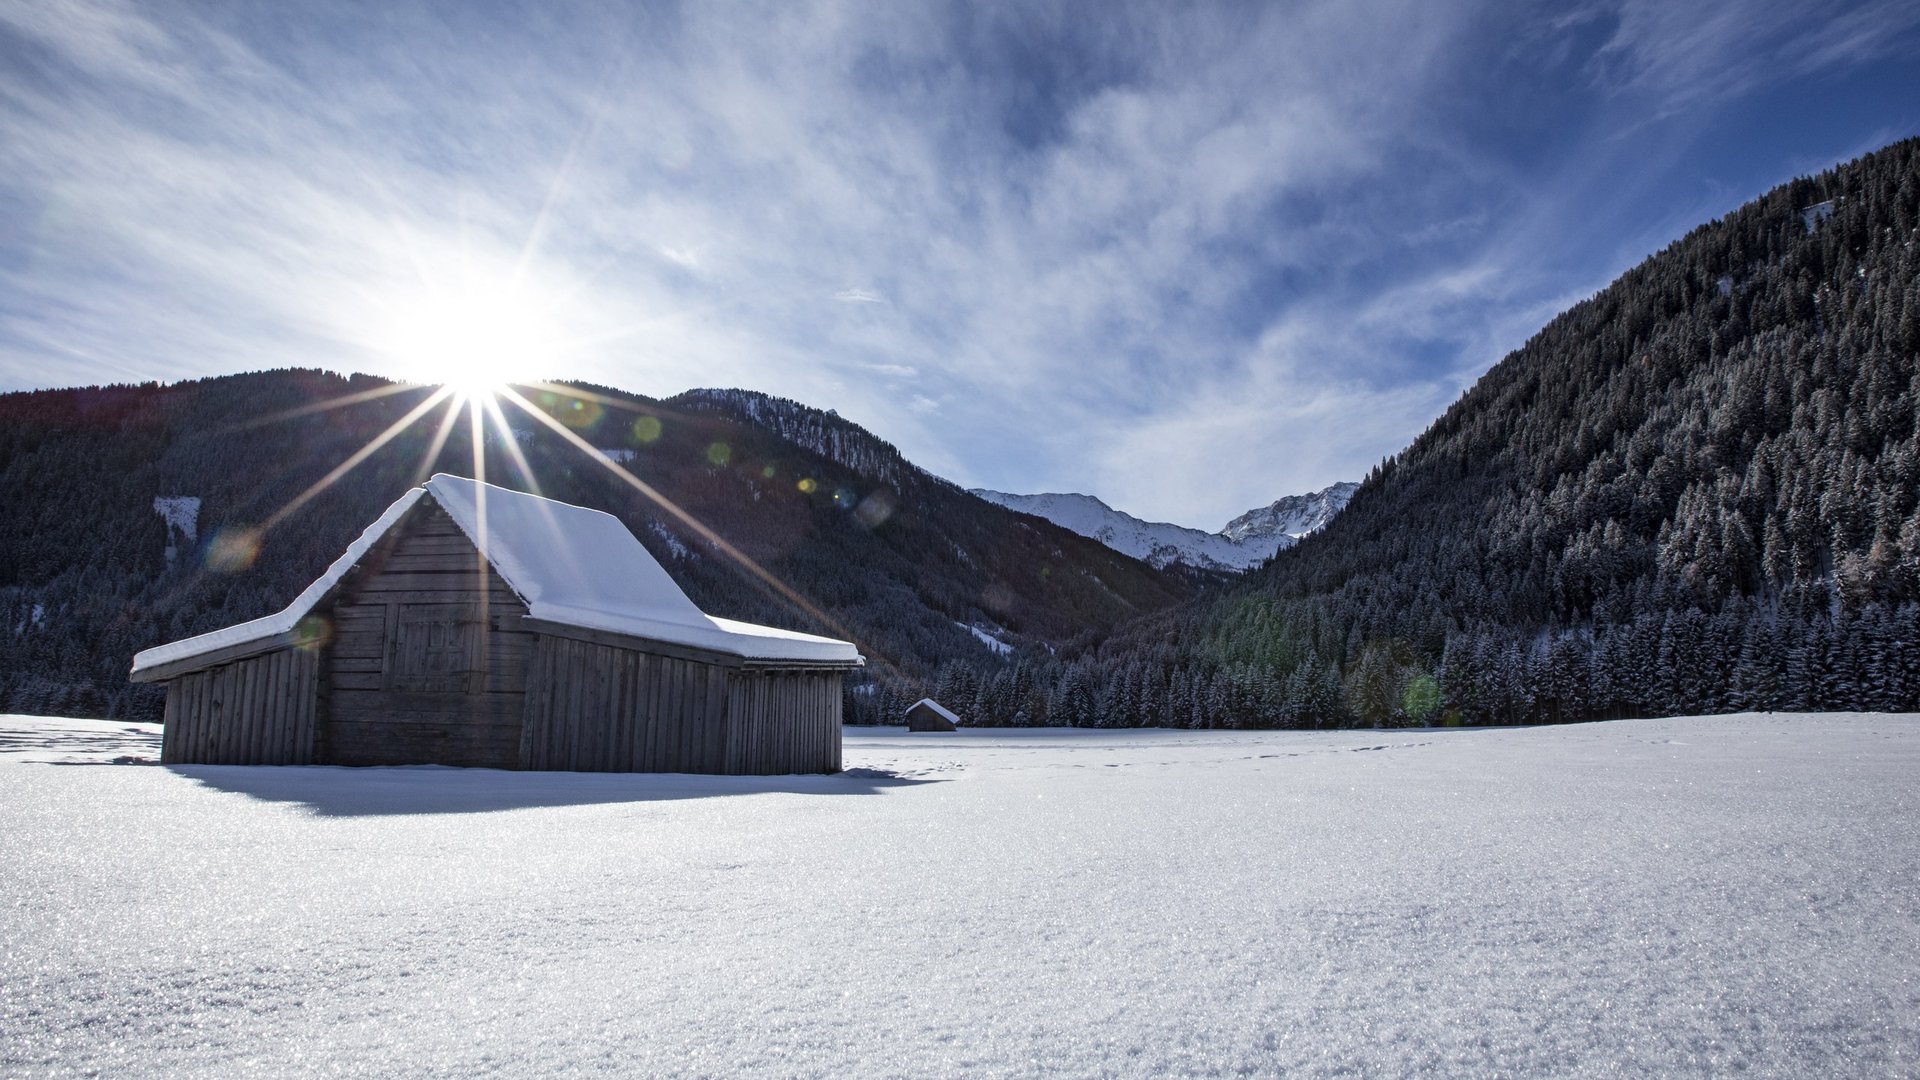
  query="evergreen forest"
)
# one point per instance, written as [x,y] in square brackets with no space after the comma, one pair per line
[1696,491]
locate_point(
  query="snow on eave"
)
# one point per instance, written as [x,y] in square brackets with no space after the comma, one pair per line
[748,641]
[266,630]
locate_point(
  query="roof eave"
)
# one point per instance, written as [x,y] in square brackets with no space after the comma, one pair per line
[718,657]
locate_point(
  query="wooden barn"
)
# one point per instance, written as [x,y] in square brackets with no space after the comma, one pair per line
[473,625]
[929,715]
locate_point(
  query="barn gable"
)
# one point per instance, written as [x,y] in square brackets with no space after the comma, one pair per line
[428,654]
[471,625]
[573,568]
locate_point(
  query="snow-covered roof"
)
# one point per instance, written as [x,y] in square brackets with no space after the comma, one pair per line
[571,565]
[936,707]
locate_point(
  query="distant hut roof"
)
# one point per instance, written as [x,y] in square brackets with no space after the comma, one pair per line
[936,708]
[571,566]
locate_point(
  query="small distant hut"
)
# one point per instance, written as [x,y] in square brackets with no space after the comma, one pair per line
[929,715]
[473,625]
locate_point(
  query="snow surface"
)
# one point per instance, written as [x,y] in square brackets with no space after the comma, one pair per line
[180,512]
[571,565]
[1701,896]
[987,639]
[1246,542]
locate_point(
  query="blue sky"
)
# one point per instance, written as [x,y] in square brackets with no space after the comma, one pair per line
[1186,258]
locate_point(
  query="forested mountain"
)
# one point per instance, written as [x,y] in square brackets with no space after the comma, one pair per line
[142,514]
[1697,491]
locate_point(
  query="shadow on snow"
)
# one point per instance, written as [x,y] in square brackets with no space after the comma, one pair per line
[336,791]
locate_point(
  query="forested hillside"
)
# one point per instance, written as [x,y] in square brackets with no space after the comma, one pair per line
[1694,492]
[92,568]
[1697,491]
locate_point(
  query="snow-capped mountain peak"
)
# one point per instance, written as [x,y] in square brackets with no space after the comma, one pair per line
[1294,516]
[1246,542]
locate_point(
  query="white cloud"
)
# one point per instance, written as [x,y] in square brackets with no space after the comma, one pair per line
[1679,55]
[1187,259]
[683,256]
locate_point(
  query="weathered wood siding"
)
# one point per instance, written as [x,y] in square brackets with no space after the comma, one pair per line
[428,663]
[602,708]
[257,711]
[783,722]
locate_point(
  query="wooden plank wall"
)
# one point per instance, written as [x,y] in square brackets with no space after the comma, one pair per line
[257,711]
[537,701]
[601,708]
[372,717]
[783,722]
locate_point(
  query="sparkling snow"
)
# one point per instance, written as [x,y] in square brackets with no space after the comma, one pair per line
[1693,896]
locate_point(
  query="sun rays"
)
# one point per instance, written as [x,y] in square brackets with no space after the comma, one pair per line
[714,539]
[476,406]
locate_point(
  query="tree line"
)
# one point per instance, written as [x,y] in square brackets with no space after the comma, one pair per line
[1696,491]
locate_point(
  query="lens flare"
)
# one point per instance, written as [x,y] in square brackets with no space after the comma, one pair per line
[581,415]
[232,550]
[313,633]
[875,509]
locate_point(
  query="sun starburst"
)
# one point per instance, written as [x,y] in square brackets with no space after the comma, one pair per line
[475,335]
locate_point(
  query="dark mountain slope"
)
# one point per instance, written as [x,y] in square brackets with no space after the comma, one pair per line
[1695,491]
[899,559]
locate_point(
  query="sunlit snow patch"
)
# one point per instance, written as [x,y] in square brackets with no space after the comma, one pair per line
[986,639]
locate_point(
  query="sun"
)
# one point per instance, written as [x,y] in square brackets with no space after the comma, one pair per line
[474,339]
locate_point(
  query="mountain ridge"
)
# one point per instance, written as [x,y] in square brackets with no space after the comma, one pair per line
[1247,541]
[98,561]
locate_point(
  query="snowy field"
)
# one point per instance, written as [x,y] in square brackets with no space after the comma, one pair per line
[1687,896]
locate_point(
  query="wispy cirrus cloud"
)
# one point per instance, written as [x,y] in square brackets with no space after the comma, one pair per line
[1188,260]
[1679,55]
